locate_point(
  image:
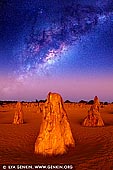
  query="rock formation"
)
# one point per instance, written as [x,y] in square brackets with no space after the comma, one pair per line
[18,117]
[96,102]
[94,118]
[55,132]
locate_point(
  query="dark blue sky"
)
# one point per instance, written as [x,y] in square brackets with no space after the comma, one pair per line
[58,42]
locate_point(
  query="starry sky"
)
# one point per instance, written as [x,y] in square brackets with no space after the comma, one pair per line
[59,46]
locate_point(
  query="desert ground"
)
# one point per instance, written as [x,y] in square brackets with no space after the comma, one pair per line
[93,145]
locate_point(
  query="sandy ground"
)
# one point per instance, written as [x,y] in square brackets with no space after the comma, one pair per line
[94,146]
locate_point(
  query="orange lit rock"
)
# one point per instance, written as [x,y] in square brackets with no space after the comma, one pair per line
[96,102]
[94,117]
[18,117]
[55,132]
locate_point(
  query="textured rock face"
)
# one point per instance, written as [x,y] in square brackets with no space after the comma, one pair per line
[55,132]
[18,117]
[96,102]
[94,117]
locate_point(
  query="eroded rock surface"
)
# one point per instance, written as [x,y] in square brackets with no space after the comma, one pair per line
[18,117]
[55,132]
[94,117]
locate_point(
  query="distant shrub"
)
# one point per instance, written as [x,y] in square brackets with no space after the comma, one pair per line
[42,101]
[105,103]
[67,101]
[7,102]
[91,102]
[36,101]
[83,101]
[1,102]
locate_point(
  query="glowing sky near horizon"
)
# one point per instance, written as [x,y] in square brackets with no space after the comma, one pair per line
[56,46]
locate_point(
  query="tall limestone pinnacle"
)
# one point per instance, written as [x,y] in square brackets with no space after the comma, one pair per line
[55,132]
[18,117]
[94,118]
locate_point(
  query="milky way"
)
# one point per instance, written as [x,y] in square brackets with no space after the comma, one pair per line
[46,42]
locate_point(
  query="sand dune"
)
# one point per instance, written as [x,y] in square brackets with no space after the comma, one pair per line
[93,146]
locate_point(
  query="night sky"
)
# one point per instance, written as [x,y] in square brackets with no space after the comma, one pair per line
[59,46]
